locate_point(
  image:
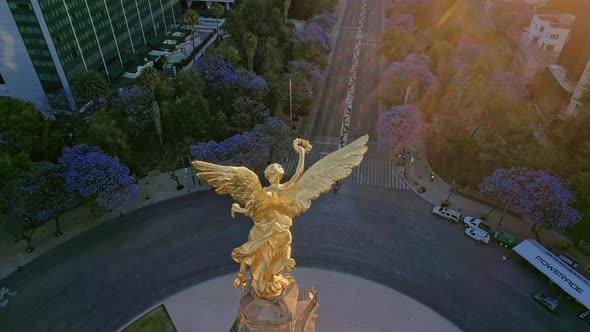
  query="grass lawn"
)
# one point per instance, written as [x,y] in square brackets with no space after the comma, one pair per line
[156,320]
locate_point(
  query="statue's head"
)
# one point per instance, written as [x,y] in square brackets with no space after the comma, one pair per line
[274,173]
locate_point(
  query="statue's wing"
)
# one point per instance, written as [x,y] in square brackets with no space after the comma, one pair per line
[241,183]
[322,175]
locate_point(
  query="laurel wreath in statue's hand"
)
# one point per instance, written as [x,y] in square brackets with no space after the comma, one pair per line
[300,143]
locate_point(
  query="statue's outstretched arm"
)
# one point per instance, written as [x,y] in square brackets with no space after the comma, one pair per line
[302,147]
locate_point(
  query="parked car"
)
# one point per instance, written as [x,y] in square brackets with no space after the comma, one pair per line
[505,239]
[569,260]
[446,213]
[476,223]
[478,235]
[547,302]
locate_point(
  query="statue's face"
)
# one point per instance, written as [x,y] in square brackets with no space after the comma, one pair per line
[274,173]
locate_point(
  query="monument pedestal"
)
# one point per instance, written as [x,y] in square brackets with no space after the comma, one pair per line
[293,311]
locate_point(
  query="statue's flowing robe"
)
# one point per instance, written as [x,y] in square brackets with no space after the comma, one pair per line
[268,254]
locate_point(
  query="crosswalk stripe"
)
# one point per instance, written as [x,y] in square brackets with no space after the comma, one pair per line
[373,172]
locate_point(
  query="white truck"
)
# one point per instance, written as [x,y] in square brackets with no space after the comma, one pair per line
[476,224]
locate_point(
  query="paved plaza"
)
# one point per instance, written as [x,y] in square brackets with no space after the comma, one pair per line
[347,304]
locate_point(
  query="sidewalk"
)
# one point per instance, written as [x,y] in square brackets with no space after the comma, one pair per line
[80,219]
[436,191]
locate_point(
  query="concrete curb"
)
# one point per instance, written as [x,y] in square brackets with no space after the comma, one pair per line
[409,183]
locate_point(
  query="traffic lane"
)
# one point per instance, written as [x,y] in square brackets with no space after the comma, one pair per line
[366,105]
[107,276]
[428,259]
[366,102]
[336,71]
[331,121]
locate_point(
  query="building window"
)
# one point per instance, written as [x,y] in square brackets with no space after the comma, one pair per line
[24,6]
[553,36]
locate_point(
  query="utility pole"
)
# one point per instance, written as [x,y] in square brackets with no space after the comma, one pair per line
[188,189]
[291,103]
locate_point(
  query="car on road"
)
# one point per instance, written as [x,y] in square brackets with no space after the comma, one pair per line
[446,213]
[547,302]
[569,260]
[478,235]
[505,239]
[476,223]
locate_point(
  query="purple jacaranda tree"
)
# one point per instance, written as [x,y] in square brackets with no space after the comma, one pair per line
[398,125]
[251,85]
[315,33]
[326,20]
[536,195]
[135,103]
[248,113]
[311,70]
[279,136]
[402,21]
[409,80]
[216,72]
[248,149]
[37,197]
[97,176]
[510,82]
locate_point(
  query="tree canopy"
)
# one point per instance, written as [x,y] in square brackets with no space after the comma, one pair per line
[93,174]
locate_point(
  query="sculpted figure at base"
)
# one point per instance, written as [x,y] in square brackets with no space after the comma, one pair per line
[268,250]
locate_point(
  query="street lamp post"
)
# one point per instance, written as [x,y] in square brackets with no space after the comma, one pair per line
[188,189]
[291,103]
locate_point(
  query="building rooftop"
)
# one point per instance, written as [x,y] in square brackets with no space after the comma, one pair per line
[557,20]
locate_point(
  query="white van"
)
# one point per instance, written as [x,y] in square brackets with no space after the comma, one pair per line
[446,213]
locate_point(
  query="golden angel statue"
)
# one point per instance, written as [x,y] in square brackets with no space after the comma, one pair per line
[268,250]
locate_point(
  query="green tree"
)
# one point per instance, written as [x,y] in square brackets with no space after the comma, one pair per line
[90,85]
[218,11]
[301,92]
[151,78]
[308,51]
[25,136]
[228,52]
[106,133]
[252,11]
[189,118]
[25,124]
[191,18]
[250,45]
[273,57]
[397,43]
[188,83]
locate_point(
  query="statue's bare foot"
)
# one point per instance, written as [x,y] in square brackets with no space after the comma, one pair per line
[238,281]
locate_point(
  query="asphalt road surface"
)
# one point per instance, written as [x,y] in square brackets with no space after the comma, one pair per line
[101,279]
[327,118]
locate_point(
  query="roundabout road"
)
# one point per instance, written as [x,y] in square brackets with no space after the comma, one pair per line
[100,280]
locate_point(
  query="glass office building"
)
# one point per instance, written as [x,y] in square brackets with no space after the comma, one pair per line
[59,39]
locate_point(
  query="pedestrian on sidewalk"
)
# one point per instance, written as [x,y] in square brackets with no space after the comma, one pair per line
[431,176]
